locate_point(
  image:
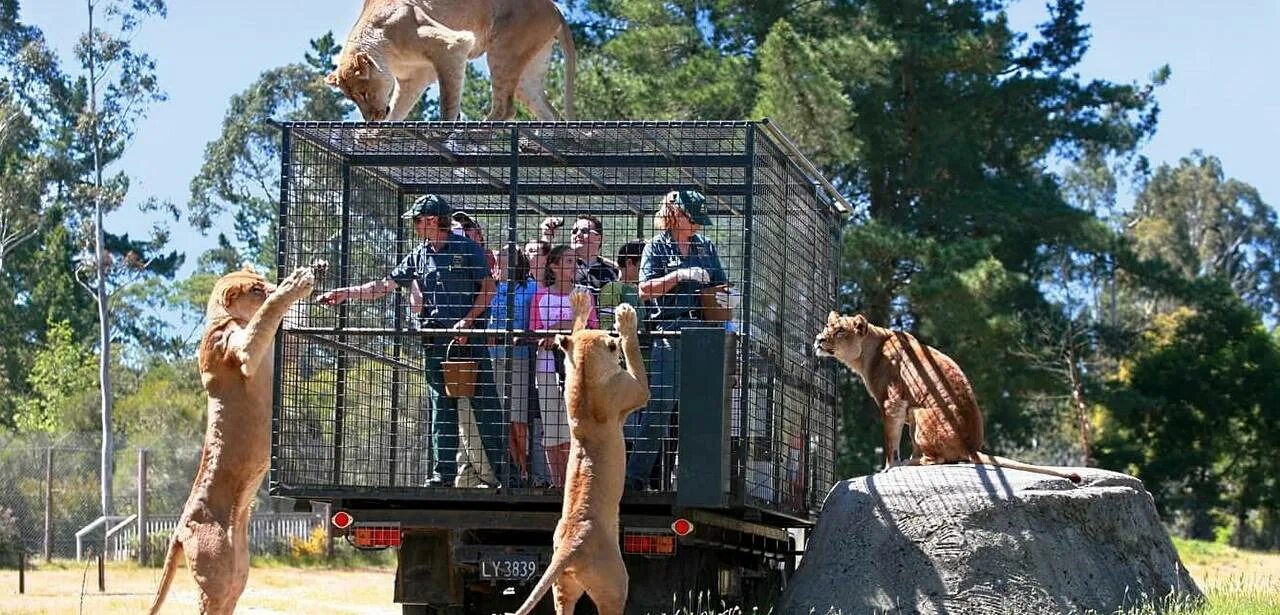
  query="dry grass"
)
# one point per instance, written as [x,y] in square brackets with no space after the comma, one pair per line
[56,588]
[1236,582]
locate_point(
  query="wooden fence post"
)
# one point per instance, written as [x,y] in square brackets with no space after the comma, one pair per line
[48,503]
[144,542]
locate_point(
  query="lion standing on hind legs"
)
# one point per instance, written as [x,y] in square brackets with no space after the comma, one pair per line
[236,359]
[399,47]
[599,395]
[917,384]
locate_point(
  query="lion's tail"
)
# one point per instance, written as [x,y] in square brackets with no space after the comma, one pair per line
[170,568]
[559,561]
[565,35]
[1005,462]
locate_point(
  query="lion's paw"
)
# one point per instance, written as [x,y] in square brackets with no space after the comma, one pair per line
[625,319]
[580,299]
[299,283]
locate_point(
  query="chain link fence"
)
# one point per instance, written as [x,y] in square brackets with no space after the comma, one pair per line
[49,490]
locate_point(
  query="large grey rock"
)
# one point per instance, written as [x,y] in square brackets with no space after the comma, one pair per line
[963,539]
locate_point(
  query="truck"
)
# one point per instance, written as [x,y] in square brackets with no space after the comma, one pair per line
[750,451]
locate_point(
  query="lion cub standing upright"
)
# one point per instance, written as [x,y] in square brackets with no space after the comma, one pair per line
[599,395]
[236,360]
[917,384]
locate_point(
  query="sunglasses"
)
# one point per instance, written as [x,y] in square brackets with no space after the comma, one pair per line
[583,231]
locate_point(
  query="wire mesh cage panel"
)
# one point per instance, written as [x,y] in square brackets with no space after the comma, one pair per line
[397,392]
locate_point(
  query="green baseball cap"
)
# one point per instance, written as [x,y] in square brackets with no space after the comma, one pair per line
[693,204]
[428,205]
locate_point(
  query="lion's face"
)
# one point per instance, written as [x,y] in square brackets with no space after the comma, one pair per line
[842,336]
[368,85]
[599,351]
[239,294]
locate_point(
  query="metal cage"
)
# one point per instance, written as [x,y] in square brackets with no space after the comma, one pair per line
[350,418]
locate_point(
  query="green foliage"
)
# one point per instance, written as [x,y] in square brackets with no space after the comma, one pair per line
[797,89]
[1202,223]
[10,539]
[661,61]
[63,382]
[157,548]
[162,404]
[1194,412]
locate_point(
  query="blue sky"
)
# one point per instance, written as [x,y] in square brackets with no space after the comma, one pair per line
[1222,98]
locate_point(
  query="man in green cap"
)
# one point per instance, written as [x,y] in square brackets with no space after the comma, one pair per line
[456,284]
[675,265]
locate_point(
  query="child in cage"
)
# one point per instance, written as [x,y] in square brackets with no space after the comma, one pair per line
[552,310]
[625,289]
[513,365]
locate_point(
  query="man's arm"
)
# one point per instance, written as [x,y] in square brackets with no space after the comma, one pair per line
[659,286]
[368,290]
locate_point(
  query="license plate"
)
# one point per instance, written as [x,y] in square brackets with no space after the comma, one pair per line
[512,567]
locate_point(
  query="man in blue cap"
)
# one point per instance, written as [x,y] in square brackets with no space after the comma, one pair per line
[674,267]
[453,275]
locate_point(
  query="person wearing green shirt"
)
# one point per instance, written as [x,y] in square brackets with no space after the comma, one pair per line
[626,289]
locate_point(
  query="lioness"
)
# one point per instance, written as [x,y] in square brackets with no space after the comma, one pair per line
[599,395]
[235,358]
[914,383]
[399,47]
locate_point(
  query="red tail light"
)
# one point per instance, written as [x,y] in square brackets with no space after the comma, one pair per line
[648,543]
[682,527]
[375,536]
[342,519]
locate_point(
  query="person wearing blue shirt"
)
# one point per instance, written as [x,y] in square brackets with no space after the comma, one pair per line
[453,276]
[516,289]
[675,265]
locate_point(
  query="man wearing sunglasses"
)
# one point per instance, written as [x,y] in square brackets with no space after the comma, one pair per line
[586,237]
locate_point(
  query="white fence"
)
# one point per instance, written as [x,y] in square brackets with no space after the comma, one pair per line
[266,531]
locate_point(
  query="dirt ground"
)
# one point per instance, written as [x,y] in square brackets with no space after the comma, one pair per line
[56,589]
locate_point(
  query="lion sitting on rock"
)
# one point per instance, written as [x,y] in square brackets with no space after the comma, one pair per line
[399,47]
[599,394]
[916,384]
[236,359]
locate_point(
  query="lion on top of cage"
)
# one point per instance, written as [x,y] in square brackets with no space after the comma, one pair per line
[913,383]
[236,361]
[599,394]
[399,47]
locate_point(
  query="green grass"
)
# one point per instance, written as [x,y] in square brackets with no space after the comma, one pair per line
[1234,581]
